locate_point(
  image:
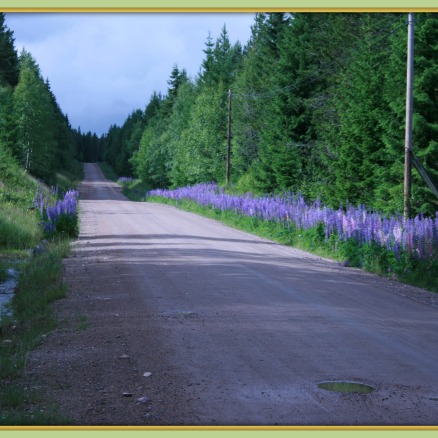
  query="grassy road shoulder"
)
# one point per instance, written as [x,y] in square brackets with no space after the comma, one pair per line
[40,283]
[27,251]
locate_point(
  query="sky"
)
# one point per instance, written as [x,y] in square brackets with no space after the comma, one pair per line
[103,66]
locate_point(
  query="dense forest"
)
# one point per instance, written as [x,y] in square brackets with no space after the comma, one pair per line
[317,106]
[314,103]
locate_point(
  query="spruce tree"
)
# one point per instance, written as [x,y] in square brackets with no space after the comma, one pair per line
[9,69]
[251,94]
[389,194]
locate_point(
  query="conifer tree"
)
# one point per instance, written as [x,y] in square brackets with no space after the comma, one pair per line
[252,90]
[179,165]
[359,107]
[9,69]
[389,193]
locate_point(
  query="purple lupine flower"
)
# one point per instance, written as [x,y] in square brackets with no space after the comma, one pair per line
[418,237]
[125,180]
[51,213]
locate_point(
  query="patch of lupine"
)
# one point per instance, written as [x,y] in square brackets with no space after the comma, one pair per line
[125,180]
[418,237]
[51,212]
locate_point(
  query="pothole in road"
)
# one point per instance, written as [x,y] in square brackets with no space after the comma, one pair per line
[346,387]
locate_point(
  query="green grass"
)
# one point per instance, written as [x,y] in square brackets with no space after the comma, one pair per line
[40,283]
[41,274]
[135,190]
[19,227]
[3,271]
[83,323]
[16,186]
[69,179]
[24,406]
[421,273]
[108,171]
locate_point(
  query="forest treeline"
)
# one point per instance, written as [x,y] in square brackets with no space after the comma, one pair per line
[317,107]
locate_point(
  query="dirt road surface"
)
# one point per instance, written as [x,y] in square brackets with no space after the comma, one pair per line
[174,319]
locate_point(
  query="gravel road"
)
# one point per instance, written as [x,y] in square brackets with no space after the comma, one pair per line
[174,319]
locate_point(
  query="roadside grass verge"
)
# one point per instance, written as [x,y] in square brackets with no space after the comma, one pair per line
[369,257]
[65,180]
[18,227]
[134,190]
[16,186]
[108,171]
[27,318]
[21,330]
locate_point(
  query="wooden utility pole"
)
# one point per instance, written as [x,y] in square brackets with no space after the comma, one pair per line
[409,110]
[227,179]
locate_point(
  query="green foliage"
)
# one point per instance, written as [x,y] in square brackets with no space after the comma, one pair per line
[420,273]
[67,226]
[88,147]
[252,104]
[179,163]
[18,228]
[3,271]
[33,129]
[66,179]
[318,107]
[8,56]
[39,284]
[136,190]
[424,120]
[359,131]
[108,171]
[121,143]
[183,137]
[349,253]
[36,140]
[16,186]
[18,223]
[34,117]
[204,142]
[245,184]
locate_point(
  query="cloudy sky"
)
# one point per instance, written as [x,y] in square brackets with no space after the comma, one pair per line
[102,66]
